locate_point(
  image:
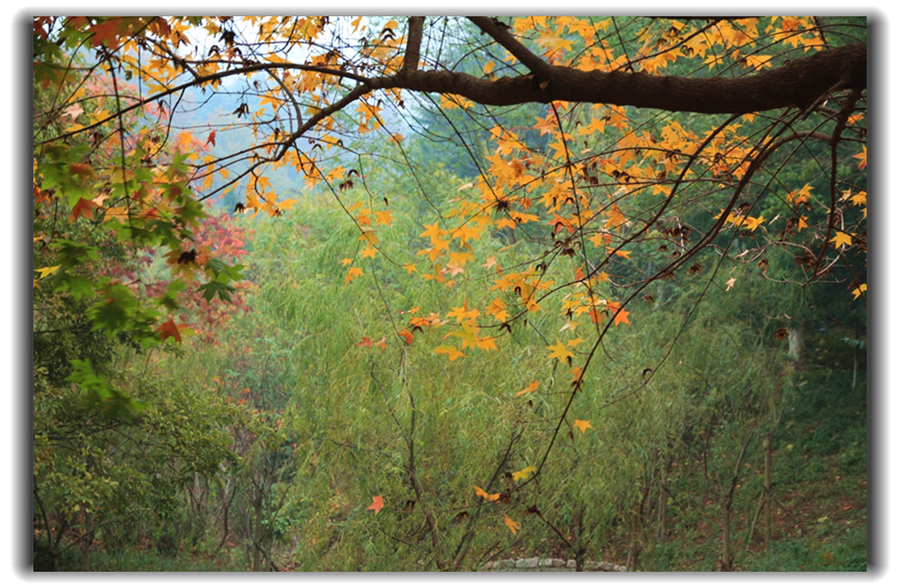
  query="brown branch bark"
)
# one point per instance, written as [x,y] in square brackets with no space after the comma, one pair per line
[540,68]
[413,43]
[800,83]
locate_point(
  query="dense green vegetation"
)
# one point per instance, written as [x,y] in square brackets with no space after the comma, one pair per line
[217,389]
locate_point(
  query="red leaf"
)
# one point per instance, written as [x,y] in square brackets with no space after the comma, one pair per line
[406,336]
[169,329]
[366,342]
[377,503]
[83,208]
[211,139]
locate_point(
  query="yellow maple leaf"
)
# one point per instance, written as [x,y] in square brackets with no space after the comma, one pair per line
[523,474]
[857,292]
[46,271]
[368,235]
[560,352]
[582,425]
[751,223]
[841,238]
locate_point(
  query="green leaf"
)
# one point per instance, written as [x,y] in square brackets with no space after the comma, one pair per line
[215,287]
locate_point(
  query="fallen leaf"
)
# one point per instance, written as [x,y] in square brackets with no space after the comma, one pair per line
[377,504]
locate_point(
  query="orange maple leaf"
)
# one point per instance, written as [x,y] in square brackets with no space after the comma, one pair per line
[486,496]
[863,158]
[352,274]
[406,336]
[377,504]
[451,352]
[513,525]
[532,387]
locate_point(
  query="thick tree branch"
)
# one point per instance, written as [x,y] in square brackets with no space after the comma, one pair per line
[800,83]
[413,43]
[540,68]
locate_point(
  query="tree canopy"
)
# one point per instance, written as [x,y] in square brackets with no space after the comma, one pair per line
[541,182]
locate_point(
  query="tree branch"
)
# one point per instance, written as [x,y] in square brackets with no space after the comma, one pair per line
[798,84]
[413,43]
[540,68]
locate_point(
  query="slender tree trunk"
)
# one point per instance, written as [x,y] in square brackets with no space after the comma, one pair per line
[795,342]
[726,537]
[663,507]
[767,488]
[86,541]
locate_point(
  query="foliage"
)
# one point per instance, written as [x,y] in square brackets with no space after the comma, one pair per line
[480,260]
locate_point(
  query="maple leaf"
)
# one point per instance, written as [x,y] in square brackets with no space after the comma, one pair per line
[560,352]
[384,217]
[368,235]
[841,238]
[84,208]
[451,352]
[751,223]
[582,425]
[532,387]
[729,284]
[73,111]
[485,495]
[366,342]
[377,504]
[46,271]
[621,317]
[863,158]
[406,336]
[513,525]
[352,274]
[857,292]
[523,474]
[168,329]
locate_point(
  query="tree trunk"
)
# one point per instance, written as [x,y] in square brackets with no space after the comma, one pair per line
[767,488]
[795,342]
[726,537]
[86,540]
